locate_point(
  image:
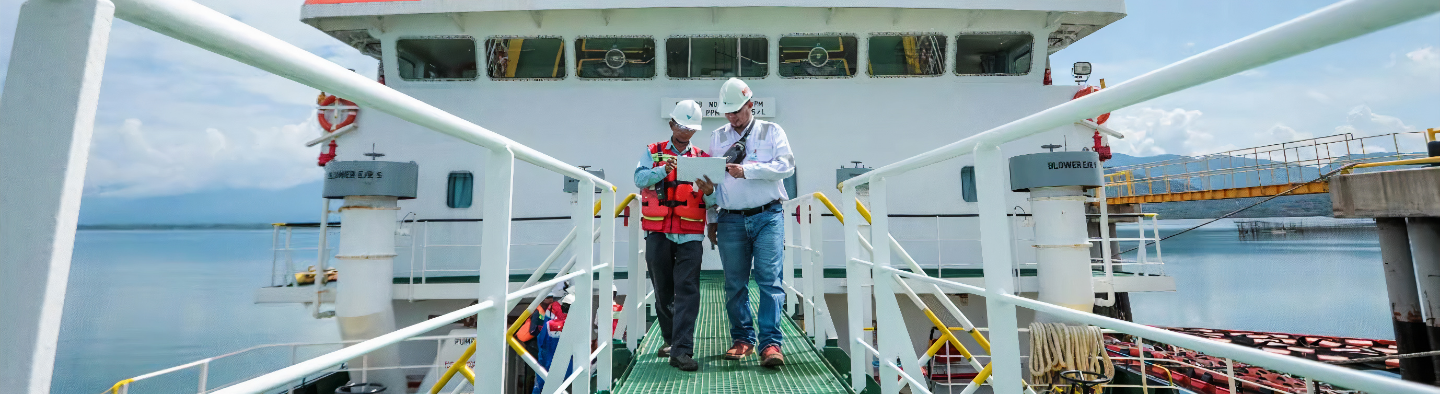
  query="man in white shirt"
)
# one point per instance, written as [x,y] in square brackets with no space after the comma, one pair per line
[747,222]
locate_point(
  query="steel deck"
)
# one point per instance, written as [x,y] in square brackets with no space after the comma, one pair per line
[805,371]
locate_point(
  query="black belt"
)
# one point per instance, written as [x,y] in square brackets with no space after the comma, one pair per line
[751,211]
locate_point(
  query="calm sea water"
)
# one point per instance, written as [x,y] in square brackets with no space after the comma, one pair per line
[140,301]
[1316,283]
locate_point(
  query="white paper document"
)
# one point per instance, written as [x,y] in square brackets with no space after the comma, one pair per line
[692,168]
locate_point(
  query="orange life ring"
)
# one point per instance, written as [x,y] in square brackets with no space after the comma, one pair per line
[1087,90]
[323,114]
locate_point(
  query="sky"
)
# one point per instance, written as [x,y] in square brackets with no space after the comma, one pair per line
[181,131]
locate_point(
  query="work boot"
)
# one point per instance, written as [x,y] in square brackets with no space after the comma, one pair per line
[664,352]
[771,357]
[739,351]
[683,362]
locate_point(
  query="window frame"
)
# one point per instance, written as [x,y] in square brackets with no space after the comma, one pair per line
[564,58]
[851,35]
[869,71]
[968,191]
[656,61]
[956,51]
[475,45]
[666,51]
[450,190]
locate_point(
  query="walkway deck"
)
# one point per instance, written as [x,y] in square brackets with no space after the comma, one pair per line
[805,371]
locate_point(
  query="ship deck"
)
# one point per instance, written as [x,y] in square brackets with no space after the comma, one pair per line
[805,369]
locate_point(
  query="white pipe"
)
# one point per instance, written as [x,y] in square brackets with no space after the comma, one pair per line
[1100,128]
[363,307]
[208,29]
[330,136]
[1337,375]
[1062,250]
[1335,23]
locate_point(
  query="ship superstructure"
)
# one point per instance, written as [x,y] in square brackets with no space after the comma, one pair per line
[965,229]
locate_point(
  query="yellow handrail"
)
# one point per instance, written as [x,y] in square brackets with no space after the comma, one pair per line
[835,211]
[619,208]
[1426,160]
[116,388]
[458,366]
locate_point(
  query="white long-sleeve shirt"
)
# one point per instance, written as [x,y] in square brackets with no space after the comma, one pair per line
[768,161]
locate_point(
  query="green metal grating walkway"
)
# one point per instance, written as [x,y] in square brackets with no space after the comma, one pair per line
[805,371]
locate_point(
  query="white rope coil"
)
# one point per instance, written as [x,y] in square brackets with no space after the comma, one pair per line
[1056,347]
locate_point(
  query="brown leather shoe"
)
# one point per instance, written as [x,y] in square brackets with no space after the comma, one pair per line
[739,351]
[771,357]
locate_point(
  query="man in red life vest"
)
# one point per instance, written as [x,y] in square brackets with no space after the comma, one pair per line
[673,216]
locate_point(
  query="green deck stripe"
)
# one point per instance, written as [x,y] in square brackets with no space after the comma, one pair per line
[804,370]
[830,273]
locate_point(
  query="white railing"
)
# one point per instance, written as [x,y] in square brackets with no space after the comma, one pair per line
[204,366]
[631,324]
[203,27]
[1327,26]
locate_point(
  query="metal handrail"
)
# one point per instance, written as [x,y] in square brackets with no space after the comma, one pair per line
[1332,24]
[120,385]
[203,27]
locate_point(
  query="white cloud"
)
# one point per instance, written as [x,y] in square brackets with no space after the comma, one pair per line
[134,160]
[1364,123]
[1152,131]
[175,119]
[1281,132]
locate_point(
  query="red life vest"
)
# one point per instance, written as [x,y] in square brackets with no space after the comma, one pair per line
[682,210]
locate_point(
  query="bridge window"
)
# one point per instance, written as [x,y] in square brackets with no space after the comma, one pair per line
[460,189]
[716,57]
[907,55]
[525,58]
[993,53]
[967,184]
[615,57]
[436,58]
[817,56]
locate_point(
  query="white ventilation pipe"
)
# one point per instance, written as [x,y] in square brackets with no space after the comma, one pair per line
[363,306]
[1062,249]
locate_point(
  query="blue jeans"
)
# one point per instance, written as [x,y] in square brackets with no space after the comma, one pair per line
[752,247]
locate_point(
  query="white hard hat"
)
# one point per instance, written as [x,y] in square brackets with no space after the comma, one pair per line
[733,95]
[687,114]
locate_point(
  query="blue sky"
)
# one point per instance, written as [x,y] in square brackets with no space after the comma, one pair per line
[181,133]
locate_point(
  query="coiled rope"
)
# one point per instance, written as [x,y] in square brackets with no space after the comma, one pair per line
[1056,347]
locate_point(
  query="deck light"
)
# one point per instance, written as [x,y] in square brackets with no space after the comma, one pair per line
[1081,71]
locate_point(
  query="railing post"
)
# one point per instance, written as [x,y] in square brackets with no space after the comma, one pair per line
[47,116]
[990,179]
[787,265]
[606,338]
[816,277]
[582,312]
[894,337]
[638,314]
[855,278]
[1229,373]
[490,348]
[806,271]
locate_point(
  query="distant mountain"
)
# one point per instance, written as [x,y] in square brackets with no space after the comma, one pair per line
[233,206]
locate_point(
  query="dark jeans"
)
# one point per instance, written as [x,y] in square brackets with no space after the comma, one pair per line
[675,271]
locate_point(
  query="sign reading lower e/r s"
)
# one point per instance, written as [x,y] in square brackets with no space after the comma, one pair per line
[354,175]
[1061,165]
